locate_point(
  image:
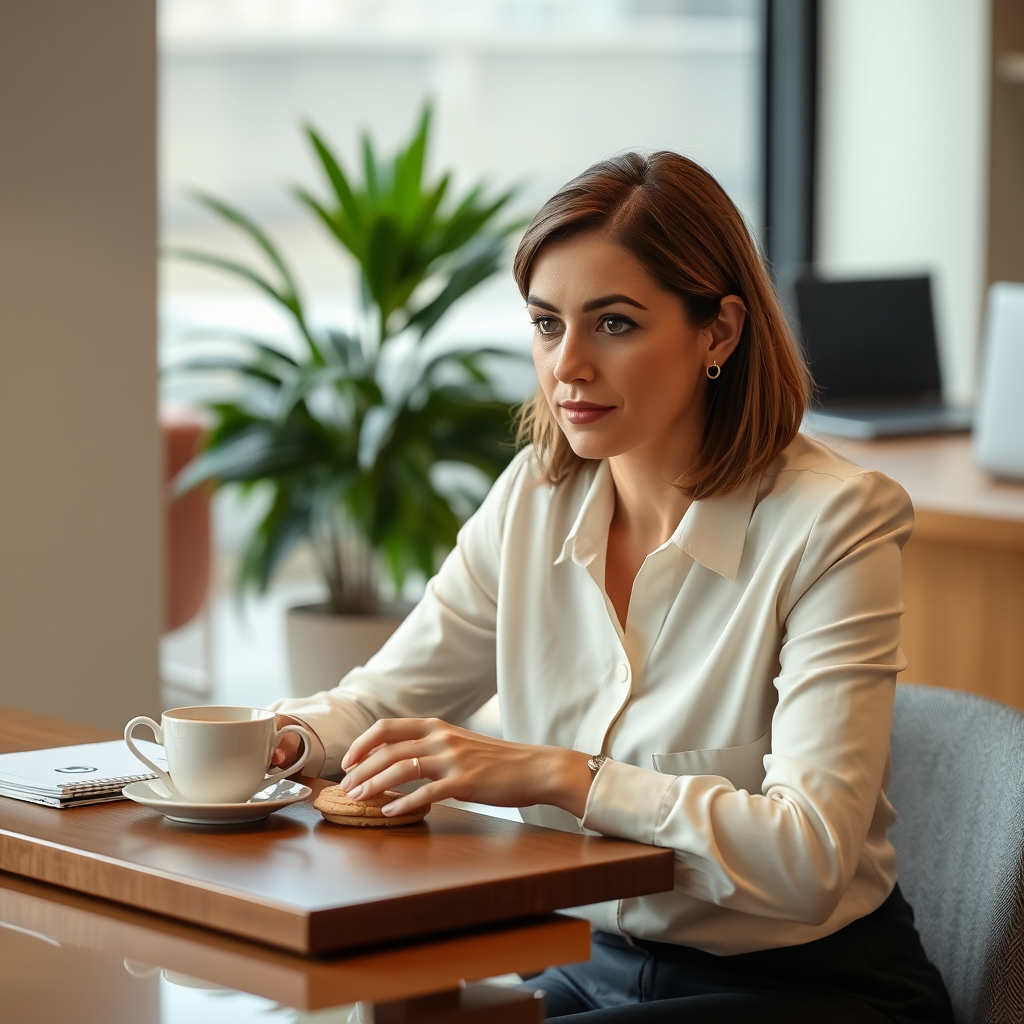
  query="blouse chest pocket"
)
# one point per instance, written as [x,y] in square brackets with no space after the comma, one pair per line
[743,766]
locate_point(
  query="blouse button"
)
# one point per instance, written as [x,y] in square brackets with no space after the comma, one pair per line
[623,671]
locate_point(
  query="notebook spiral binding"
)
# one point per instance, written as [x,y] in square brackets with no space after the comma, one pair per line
[83,788]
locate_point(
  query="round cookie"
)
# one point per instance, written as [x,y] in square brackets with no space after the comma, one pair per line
[339,808]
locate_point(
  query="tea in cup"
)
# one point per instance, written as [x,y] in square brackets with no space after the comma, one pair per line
[217,755]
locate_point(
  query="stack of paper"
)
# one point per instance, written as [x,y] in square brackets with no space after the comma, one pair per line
[90,773]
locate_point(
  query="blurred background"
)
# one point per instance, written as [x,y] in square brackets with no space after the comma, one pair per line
[872,146]
[859,138]
[525,92]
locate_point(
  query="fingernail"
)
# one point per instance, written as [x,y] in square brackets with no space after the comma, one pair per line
[389,809]
[276,757]
[356,793]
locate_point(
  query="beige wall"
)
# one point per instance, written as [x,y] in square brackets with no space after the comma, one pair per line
[79,456]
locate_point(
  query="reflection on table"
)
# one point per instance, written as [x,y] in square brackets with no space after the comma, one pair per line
[67,957]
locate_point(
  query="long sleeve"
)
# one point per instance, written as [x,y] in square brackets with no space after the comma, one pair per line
[790,851]
[745,705]
[440,662]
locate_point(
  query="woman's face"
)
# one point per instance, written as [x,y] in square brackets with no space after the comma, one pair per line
[618,361]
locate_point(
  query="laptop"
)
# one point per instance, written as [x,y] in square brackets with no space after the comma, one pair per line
[999,437]
[872,350]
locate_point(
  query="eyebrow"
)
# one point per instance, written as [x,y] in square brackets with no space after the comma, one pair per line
[604,300]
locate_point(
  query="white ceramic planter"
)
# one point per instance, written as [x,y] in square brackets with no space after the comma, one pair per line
[323,647]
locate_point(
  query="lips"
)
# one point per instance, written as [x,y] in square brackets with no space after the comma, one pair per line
[581,413]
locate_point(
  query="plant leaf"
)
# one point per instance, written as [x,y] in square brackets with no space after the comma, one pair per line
[254,453]
[480,264]
[199,335]
[231,267]
[285,523]
[235,216]
[339,180]
[308,379]
[370,169]
[408,174]
[341,228]
[348,352]
[213,363]
[468,360]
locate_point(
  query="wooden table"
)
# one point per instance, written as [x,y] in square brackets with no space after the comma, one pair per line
[408,982]
[297,882]
[963,570]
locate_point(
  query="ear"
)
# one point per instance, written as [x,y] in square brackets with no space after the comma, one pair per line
[724,334]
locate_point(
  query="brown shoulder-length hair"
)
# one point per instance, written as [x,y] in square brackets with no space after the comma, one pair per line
[678,222]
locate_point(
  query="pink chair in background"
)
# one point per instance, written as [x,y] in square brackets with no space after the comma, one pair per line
[187,554]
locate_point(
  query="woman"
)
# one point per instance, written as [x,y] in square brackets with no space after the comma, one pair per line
[690,613]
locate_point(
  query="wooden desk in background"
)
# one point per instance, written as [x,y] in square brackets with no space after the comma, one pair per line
[963,570]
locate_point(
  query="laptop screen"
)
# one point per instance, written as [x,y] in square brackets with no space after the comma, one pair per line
[870,339]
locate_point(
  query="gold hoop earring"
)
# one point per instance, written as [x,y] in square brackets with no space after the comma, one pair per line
[718,370]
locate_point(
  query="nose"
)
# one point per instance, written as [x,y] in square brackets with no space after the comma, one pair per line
[574,358]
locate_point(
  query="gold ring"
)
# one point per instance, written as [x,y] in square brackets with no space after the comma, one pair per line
[416,764]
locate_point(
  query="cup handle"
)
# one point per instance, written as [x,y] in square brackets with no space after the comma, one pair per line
[158,735]
[307,742]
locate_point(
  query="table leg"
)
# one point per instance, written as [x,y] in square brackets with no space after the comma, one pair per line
[473,1004]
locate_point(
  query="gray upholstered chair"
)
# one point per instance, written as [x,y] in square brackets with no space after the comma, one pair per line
[958,786]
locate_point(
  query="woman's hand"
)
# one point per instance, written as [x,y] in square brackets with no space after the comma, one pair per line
[464,765]
[289,750]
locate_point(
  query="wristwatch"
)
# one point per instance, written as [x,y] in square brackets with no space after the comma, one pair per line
[594,764]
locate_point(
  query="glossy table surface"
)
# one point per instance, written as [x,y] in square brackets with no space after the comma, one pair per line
[300,883]
[67,956]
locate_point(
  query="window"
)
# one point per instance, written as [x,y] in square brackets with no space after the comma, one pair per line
[524,91]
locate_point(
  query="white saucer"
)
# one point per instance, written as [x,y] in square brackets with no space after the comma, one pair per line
[269,799]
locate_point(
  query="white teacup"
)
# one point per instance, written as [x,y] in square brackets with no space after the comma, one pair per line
[217,755]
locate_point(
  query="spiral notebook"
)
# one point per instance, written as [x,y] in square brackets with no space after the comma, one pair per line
[89,773]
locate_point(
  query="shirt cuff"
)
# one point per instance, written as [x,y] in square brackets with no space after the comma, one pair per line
[335,723]
[627,802]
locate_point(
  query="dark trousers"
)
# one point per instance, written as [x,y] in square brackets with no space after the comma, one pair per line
[873,971]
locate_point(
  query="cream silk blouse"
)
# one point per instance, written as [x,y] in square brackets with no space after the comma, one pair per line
[745,707]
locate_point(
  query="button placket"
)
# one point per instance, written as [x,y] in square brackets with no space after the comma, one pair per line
[655,590]
[607,706]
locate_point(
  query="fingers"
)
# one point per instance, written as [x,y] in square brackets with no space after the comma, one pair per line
[397,773]
[431,793]
[387,730]
[286,753]
[458,763]
[380,764]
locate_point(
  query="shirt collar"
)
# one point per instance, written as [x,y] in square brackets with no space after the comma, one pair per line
[589,534]
[712,531]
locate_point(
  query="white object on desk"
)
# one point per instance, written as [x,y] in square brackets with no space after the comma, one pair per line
[999,428]
[87,773]
[269,799]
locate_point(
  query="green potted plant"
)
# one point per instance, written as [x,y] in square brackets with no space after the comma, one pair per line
[352,435]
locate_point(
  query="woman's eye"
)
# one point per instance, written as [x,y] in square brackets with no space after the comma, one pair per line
[617,324]
[546,324]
